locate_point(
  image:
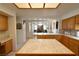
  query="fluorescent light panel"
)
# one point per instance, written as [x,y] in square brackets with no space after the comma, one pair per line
[51,5]
[36,5]
[22,5]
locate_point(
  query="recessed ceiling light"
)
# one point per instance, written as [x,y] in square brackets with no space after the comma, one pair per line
[36,5]
[51,5]
[22,5]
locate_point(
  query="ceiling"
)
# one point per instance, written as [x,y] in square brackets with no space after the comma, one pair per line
[57,12]
[36,5]
[61,10]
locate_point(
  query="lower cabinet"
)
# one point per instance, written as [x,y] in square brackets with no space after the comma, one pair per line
[74,45]
[66,41]
[48,37]
[6,47]
[71,43]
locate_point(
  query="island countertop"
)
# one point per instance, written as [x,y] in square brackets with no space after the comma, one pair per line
[43,47]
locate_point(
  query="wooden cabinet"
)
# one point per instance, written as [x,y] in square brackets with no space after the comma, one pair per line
[71,43]
[77,23]
[65,40]
[64,24]
[68,24]
[48,37]
[77,19]
[6,47]
[71,23]
[45,36]
[3,23]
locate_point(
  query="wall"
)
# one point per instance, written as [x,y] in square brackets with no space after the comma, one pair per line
[29,34]
[12,23]
[70,14]
[12,30]
[19,34]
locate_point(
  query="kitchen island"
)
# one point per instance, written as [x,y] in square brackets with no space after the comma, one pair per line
[40,47]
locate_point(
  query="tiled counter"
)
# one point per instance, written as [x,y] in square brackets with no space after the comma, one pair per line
[44,47]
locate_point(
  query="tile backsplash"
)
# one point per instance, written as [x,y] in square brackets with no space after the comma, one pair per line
[70,32]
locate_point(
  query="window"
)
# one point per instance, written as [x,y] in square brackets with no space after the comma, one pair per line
[39,27]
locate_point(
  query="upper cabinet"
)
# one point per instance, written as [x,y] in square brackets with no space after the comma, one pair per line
[77,23]
[3,23]
[64,24]
[71,23]
[77,19]
[68,24]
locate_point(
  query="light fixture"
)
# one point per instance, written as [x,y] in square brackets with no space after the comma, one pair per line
[36,5]
[51,5]
[22,5]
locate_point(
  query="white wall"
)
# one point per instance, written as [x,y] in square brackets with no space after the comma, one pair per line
[70,14]
[36,13]
[12,30]
[21,33]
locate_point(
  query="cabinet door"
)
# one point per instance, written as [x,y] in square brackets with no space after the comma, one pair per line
[74,45]
[8,46]
[77,19]
[66,41]
[64,24]
[71,23]
[77,23]
[3,23]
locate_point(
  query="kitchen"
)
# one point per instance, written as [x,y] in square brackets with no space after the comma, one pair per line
[47,32]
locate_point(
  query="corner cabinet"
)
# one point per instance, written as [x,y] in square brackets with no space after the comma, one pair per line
[3,23]
[6,47]
[71,23]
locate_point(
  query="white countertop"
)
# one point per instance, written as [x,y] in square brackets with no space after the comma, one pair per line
[3,40]
[46,34]
[74,37]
